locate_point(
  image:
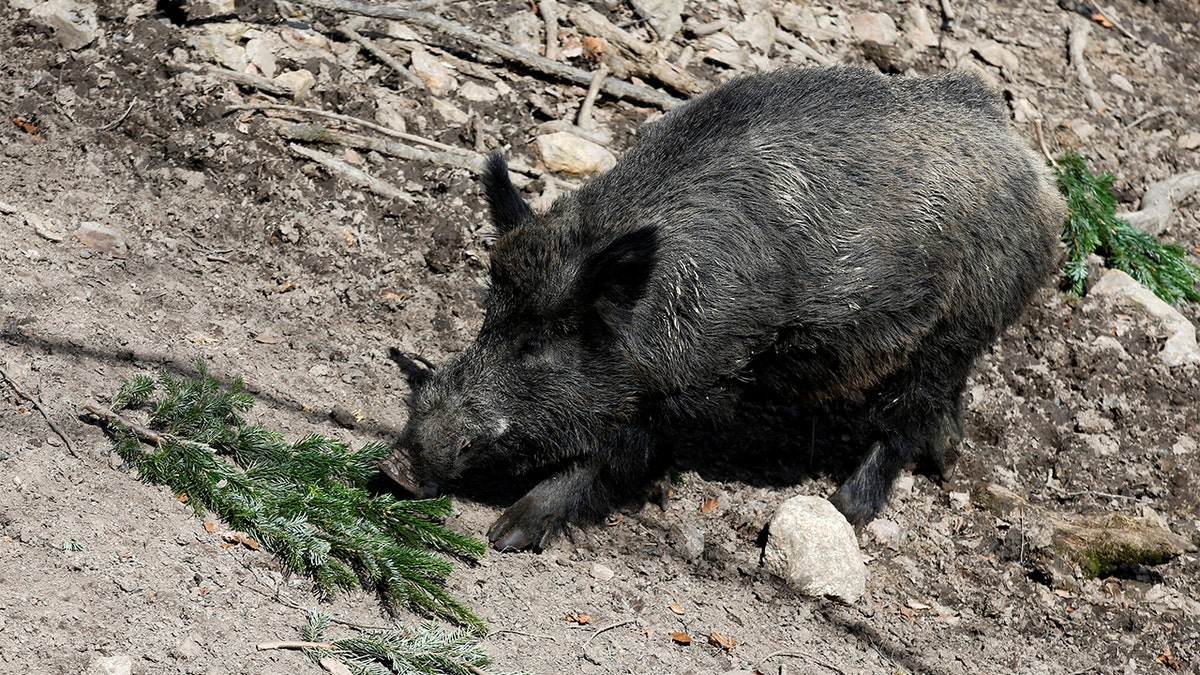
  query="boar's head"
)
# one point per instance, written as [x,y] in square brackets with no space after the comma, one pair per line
[549,374]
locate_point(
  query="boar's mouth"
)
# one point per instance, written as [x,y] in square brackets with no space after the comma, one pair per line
[399,467]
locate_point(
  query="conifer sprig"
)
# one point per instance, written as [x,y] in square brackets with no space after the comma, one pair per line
[1092,226]
[307,502]
[428,650]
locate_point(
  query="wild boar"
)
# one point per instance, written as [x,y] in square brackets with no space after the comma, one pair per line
[823,232]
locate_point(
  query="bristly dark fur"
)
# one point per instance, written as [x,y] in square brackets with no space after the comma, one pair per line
[507,207]
[824,232]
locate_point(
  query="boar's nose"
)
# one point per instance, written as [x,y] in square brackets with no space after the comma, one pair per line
[430,490]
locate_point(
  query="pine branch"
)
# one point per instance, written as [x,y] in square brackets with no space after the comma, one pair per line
[1092,226]
[307,502]
[429,650]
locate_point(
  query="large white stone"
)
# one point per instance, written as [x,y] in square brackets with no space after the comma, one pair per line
[812,547]
[1119,289]
[74,23]
[565,152]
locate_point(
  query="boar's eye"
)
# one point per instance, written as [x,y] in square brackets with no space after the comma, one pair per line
[533,346]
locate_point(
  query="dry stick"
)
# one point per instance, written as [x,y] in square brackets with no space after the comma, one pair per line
[315,133]
[376,51]
[253,81]
[354,175]
[1151,115]
[37,405]
[802,655]
[532,61]
[1037,129]
[117,122]
[502,631]
[585,109]
[549,9]
[356,121]
[1075,46]
[294,644]
[606,628]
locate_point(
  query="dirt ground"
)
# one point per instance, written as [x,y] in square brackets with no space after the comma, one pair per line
[270,268]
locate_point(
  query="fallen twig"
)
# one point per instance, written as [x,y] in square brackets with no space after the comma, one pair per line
[294,644]
[315,133]
[117,122]
[1158,203]
[143,432]
[631,54]
[549,9]
[503,631]
[37,405]
[532,61]
[358,121]
[252,81]
[354,175]
[584,119]
[1080,30]
[377,51]
[598,632]
[797,654]
[1150,115]
[1041,139]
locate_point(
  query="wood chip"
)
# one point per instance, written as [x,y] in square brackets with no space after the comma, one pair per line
[681,637]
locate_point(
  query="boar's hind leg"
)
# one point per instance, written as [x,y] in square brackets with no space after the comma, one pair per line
[587,491]
[918,415]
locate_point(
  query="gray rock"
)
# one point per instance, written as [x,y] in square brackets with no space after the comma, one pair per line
[874,27]
[117,664]
[188,649]
[663,15]
[998,55]
[102,238]
[564,152]
[688,540]
[757,31]
[74,23]
[886,533]
[524,30]
[477,92]
[917,29]
[601,572]
[1120,289]
[812,547]
[435,74]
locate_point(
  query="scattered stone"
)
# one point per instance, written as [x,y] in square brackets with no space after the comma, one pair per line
[477,92]
[886,533]
[1098,543]
[1092,422]
[601,135]
[343,416]
[1024,112]
[188,649]
[261,54]
[723,49]
[803,21]
[904,484]
[101,238]
[874,27]
[960,501]
[435,74]
[221,48]
[1189,141]
[1185,446]
[688,540]
[41,226]
[299,82]
[449,112]
[74,23]
[1120,289]
[812,547]
[1118,80]
[664,16]
[564,152]
[334,666]
[117,664]
[917,29]
[757,31]
[524,30]
[996,54]
[601,572]
[208,9]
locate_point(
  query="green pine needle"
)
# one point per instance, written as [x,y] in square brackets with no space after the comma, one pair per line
[428,650]
[307,502]
[1092,226]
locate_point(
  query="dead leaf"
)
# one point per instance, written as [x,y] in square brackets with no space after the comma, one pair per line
[249,543]
[1102,20]
[182,499]
[584,619]
[721,642]
[28,127]
[267,339]
[594,47]
[675,608]
[1167,659]
[210,527]
[349,236]
[681,637]
[907,613]
[394,296]
[709,505]
[615,520]
[915,604]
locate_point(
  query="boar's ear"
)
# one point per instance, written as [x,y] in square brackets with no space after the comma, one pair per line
[618,273]
[508,209]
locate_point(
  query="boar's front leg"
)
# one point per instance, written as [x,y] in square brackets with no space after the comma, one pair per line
[588,490]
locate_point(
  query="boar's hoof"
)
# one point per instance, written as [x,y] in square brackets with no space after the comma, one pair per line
[858,511]
[524,525]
